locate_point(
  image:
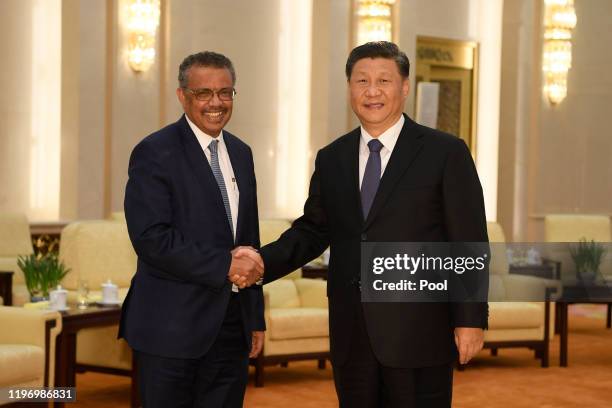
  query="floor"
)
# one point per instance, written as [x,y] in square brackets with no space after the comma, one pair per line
[512,379]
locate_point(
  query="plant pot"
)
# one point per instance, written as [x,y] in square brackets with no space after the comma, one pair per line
[587,275]
[38,298]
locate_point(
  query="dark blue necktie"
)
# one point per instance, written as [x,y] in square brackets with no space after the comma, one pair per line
[371,177]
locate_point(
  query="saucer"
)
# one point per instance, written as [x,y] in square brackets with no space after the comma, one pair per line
[112,303]
[63,309]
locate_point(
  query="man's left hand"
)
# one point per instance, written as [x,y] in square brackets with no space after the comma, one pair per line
[469,341]
[258,341]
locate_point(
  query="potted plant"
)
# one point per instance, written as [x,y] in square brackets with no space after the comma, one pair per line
[587,257]
[42,273]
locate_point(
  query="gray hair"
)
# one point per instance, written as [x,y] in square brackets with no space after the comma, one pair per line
[204,59]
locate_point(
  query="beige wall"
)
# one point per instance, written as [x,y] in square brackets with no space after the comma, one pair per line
[107,108]
[15,104]
[554,159]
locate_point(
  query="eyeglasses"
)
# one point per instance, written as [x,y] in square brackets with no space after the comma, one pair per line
[205,94]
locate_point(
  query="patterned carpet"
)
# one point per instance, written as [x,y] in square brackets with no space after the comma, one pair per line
[512,379]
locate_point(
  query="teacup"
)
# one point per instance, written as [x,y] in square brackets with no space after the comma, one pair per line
[57,298]
[110,292]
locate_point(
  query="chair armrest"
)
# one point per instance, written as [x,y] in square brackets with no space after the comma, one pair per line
[25,326]
[34,327]
[556,266]
[530,288]
[266,303]
[312,292]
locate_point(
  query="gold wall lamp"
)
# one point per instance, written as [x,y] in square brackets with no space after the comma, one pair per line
[559,21]
[374,21]
[142,22]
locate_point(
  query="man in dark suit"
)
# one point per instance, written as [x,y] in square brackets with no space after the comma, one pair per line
[391,180]
[189,201]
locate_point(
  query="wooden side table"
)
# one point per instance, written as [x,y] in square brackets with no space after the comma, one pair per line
[579,293]
[314,271]
[546,270]
[74,320]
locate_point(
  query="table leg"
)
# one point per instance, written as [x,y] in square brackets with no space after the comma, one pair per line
[6,287]
[609,316]
[557,320]
[65,362]
[563,328]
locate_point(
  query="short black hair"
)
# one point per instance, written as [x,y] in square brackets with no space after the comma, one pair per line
[378,49]
[204,59]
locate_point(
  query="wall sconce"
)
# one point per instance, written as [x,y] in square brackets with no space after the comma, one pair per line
[142,22]
[559,21]
[374,21]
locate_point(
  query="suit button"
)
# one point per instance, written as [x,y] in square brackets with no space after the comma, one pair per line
[364,236]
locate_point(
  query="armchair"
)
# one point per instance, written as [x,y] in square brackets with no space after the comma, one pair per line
[96,251]
[572,228]
[15,240]
[27,347]
[296,315]
[517,323]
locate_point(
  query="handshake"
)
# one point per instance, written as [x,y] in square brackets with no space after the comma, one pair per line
[247,267]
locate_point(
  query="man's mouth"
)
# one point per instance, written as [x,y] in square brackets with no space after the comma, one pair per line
[214,115]
[374,105]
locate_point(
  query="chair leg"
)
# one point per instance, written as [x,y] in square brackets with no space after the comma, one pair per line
[284,364]
[494,352]
[259,371]
[322,364]
[545,356]
[609,316]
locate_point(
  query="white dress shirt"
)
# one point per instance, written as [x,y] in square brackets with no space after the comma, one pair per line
[226,168]
[388,139]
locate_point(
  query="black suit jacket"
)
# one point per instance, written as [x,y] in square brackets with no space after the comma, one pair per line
[429,192]
[180,232]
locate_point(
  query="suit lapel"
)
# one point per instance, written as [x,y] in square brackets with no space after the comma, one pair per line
[199,163]
[405,151]
[350,169]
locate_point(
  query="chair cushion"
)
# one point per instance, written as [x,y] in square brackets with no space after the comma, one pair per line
[14,235]
[283,294]
[20,363]
[515,315]
[497,290]
[97,251]
[9,263]
[271,229]
[296,323]
[21,296]
[573,227]
[499,260]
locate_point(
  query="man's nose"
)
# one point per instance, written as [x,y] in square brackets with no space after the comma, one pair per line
[372,90]
[215,101]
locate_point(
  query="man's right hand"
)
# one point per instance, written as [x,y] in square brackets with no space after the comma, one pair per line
[246,268]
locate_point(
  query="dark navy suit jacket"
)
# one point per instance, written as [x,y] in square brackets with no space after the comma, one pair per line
[180,232]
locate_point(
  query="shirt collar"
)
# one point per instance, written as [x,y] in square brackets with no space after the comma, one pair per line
[202,137]
[388,138]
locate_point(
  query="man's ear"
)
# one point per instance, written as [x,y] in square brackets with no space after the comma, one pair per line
[406,87]
[180,94]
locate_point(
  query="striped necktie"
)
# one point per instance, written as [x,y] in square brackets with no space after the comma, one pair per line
[216,169]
